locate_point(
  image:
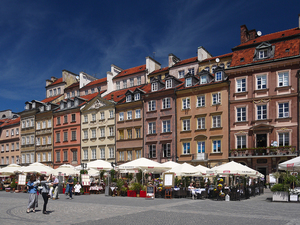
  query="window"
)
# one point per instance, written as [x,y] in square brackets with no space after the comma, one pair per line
[49,123]
[102,117]
[262,53]
[283,79]
[121,116]
[7,160]
[216,98]
[102,153]
[86,92]
[65,119]
[201,122]
[27,140]
[32,139]
[284,139]
[65,136]
[111,131]
[111,152]
[85,154]
[85,118]
[139,81]
[50,92]
[138,154]
[57,156]
[168,83]
[74,155]
[93,153]
[241,85]
[201,101]
[17,131]
[152,105]
[7,133]
[12,132]
[185,103]
[137,113]
[137,96]
[93,117]
[129,155]
[283,110]
[57,137]
[191,71]
[32,158]
[102,132]
[73,133]
[129,115]
[129,134]
[121,134]
[201,146]
[2,148]
[154,86]
[85,134]
[58,91]
[58,121]
[27,123]
[166,103]
[73,118]
[7,147]
[111,114]
[261,82]
[188,82]
[92,91]
[203,79]
[166,126]
[38,127]
[118,85]
[44,141]
[186,125]
[44,157]
[261,112]
[241,114]
[121,156]
[166,150]
[152,151]
[17,146]
[49,156]
[12,159]
[152,128]
[138,133]
[216,146]
[128,98]
[216,121]
[213,68]
[23,124]
[124,83]
[241,141]
[93,133]
[186,147]
[39,157]
[131,82]
[49,140]
[218,76]
[181,74]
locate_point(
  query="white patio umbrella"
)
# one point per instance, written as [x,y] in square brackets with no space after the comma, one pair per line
[66,170]
[97,165]
[185,169]
[93,172]
[36,168]
[202,169]
[10,169]
[291,165]
[171,164]
[146,165]
[232,168]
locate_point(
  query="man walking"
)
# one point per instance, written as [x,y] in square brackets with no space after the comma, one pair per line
[55,187]
[71,183]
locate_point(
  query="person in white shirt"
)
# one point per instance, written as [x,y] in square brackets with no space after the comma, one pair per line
[192,189]
[77,188]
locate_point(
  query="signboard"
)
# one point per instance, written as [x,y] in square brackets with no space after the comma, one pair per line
[226,171]
[85,179]
[169,179]
[150,191]
[290,165]
[272,179]
[22,180]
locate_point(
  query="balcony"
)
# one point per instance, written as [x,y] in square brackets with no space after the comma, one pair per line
[263,152]
[199,157]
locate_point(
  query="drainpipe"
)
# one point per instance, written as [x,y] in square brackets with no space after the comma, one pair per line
[175,123]
[142,130]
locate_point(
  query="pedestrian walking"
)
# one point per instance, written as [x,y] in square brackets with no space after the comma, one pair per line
[55,187]
[32,187]
[45,181]
[70,182]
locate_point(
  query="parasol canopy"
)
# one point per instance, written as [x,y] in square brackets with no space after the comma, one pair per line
[291,165]
[66,170]
[10,169]
[185,169]
[36,168]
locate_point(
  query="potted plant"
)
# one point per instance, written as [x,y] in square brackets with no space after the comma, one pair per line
[119,185]
[13,184]
[136,187]
[123,191]
[280,193]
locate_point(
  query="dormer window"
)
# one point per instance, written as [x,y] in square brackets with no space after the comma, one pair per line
[69,104]
[168,83]
[76,102]
[93,90]
[188,82]
[50,92]
[33,105]
[128,98]
[154,86]
[137,96]
[263,51]
[61,105]
[218,76]
[73,93]
[191,71]
[68,95]
[42,108]
[48,107]
[54,92]
[262,54]
[27,106]
[203,79]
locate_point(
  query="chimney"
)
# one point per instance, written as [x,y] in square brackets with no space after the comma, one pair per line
[112,97]
[173,60]
[203,54]
[244,34]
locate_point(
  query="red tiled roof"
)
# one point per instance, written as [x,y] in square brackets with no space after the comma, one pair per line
[46,100]
[98,81]
[91,96]
[280,52]
[8,122]
[277,35]
[220,56]
[72,85]
[186,61]
[160,70]
[131,71]
[59,80]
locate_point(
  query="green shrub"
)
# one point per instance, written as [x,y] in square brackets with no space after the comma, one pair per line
[279,187]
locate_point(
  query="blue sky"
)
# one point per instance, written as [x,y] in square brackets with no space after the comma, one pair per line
[40,38]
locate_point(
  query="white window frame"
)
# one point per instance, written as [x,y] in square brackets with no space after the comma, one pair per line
[152,105]
[166,103]
[181,74]
[166,126]
[152,151]
[121,116]
[285,108]
[137,113]
[200,123]
[261,112]
[188,82]
[124,83]
[241,114]
[218,76]
[131,82]
[216,121]
[283,79]
[186,103]
[168,83]
[152,128]
[186,148]
[201,101]
[203,79]
[128,98]
[241,85]
[241,141]
[154,86]
[217,146]
[137,96]
[186,125]
[261,82]
[118,85]
[216,98]
[284,137]
[129,115]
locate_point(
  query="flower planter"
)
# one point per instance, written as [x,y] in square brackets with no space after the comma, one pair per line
[131,193]
[280,196]
[143,194]
[293,198]
[7,189]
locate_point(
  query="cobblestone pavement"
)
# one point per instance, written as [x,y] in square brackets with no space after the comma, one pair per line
[100,209]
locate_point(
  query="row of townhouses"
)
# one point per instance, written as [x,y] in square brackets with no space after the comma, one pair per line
[240,106]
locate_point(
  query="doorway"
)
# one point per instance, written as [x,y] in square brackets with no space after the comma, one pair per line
[261,140]
[263,170]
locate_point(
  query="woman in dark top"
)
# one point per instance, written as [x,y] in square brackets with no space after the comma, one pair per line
[32,190]
[45,182]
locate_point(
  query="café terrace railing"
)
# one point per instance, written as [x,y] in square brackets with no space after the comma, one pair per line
[263,151]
